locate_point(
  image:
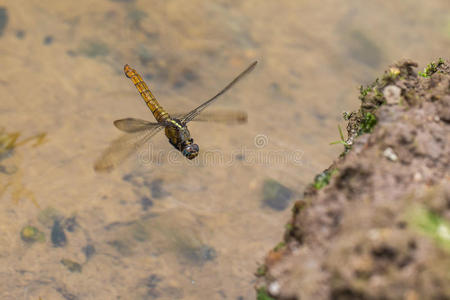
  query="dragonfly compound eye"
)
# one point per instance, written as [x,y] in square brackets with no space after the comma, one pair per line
[191,151]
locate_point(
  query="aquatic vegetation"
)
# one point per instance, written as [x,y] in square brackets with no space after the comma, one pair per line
[262,294]
[146,202]
[276,195]
[193,252]
[8,140]
[58,235]
[152,282]
[71,265]
[31,234]
[93,48]
[89,251]
[12,175]
[141,231]
[70,224]
[122,246]
[156,188]
[323,179]
[431,68]
[48,216]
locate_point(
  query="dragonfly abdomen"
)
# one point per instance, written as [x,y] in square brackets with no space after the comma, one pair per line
[158,112]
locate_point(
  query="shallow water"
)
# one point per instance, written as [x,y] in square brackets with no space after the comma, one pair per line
[174,229]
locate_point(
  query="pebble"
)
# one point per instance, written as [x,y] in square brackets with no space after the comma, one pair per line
[274,288]
[392,94]
[390,154]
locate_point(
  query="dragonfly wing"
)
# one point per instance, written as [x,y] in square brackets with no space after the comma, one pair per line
[122,147]
[131,125]
[220,116]
[194,113]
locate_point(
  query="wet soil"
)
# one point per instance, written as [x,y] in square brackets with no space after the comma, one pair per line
[172,229]
[381,228]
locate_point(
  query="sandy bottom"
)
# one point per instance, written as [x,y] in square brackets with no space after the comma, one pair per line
[169,228]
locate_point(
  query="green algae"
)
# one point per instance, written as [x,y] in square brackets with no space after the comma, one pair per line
[93,49]
[31,234]
[71,265]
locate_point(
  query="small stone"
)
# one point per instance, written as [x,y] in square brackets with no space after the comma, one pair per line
[274,288]
[48,40]
[156,188]
[70,224]
[20,34]
[146,202]
[374,234]
[275,195]
[417,177]
[392,94]
[71,265]
[3,19]
[390,154]
[443,232]
[58,235]
[89,251]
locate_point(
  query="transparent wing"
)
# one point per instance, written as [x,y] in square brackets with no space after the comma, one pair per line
[131,125]
[220,116]
[194,113]
[122,147]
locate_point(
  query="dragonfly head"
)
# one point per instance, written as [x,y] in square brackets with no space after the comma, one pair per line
[190,150]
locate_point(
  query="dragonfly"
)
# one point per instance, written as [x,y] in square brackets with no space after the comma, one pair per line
[139,132]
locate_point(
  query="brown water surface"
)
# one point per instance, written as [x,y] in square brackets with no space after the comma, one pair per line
[174,229]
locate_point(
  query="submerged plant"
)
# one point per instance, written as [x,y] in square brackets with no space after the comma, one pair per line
[12,174]
[8,141]
[31,234]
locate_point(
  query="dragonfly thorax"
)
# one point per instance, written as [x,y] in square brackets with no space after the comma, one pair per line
[180,137]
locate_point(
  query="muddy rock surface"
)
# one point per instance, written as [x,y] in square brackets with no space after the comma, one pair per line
[380,228]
